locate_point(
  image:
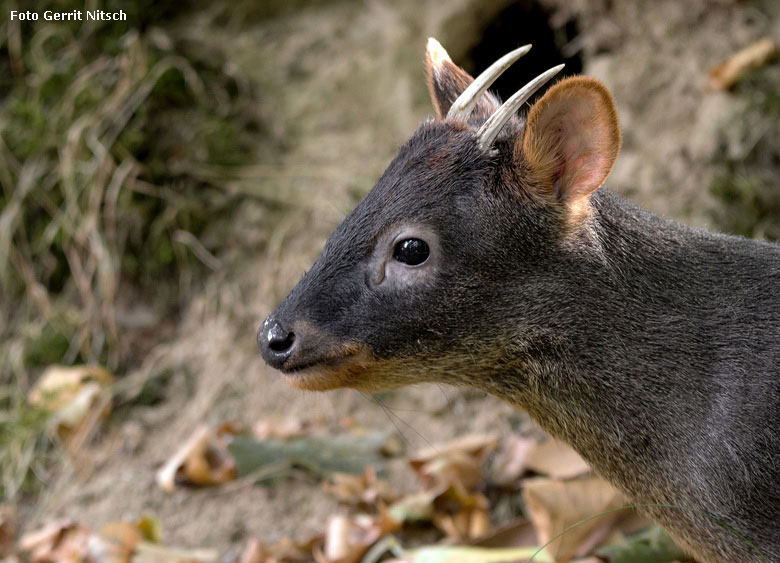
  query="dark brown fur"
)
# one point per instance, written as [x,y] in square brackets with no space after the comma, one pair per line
[652,348]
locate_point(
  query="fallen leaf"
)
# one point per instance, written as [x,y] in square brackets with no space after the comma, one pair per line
[566,512]
[732,70]
[459,461]
[116,542]
[348,538]
[338,543]
[255,551]
[365,489]
[414,508]
[555,459]
[8,528]
[76,396]
[228,428]
[147,551]
[58,385]
[466,554]
[464,525]
[203,460]
[460,514]
[63,540]
[288,550]
[478,522]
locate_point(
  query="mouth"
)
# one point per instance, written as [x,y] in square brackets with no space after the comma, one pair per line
[317,363]
[331,372]
[311,358]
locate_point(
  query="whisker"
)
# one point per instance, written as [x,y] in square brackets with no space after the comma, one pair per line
[387,412]
[446,397]
[390,412]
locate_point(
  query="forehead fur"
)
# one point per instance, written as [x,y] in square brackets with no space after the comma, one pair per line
[447,139]
[439,163]
[439,154]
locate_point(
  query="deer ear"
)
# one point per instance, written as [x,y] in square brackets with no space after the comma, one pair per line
[571,141]
[446,82]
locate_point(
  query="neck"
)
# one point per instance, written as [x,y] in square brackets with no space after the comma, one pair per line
[658,326]
[664,338]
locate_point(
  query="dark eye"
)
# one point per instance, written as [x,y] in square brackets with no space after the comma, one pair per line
[411,251]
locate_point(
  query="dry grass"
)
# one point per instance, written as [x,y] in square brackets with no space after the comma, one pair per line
[106,137]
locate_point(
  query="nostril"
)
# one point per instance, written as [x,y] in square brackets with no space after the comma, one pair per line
[277,340]
[277,343]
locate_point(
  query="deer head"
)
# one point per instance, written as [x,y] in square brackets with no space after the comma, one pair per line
[466,247]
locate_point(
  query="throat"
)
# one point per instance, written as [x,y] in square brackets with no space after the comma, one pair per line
[612,430]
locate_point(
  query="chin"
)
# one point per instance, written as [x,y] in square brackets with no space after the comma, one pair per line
[321,379]
[369,377]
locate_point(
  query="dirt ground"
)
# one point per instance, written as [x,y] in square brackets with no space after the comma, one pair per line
[341,86]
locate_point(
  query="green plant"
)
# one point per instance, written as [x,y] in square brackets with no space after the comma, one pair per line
[107,133]
[102,133]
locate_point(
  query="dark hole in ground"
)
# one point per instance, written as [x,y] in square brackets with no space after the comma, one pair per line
[521,23]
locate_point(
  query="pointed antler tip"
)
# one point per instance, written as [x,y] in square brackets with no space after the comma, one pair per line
[520,51]
[493,125]
[461,108]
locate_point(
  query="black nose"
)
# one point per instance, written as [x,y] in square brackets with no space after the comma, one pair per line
[275,342]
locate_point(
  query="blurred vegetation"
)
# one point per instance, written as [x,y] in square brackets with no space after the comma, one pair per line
[108,136]
[748,162]
[24,446]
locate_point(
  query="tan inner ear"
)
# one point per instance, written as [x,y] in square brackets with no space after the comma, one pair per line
[571,141]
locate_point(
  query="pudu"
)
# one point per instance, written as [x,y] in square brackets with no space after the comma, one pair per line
[488,254]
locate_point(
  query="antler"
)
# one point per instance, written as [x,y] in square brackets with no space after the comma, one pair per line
[461,108]
[492,127]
